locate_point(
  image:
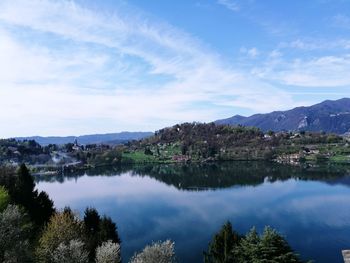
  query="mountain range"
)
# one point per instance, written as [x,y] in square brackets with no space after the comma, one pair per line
[328,116]
[109,138]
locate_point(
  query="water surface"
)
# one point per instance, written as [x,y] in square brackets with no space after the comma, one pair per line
[189,203]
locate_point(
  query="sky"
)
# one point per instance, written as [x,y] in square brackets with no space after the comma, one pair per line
[84,66]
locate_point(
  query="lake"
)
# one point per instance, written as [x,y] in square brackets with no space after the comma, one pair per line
[189,203]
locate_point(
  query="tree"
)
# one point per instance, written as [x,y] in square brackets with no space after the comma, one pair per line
[25,185]
[222,246]
[73,252]
[275,248]
[108,230]
[248,249]
[63,227]
[270,247]
[108,252]
[39,206]
[8,179]
[92,222]
[44,208]
[4,198]
[14,234]
[160,252]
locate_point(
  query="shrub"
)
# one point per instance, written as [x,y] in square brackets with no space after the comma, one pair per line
[108,252]
[160,252]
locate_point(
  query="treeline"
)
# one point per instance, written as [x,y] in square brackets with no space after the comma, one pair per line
[29,151]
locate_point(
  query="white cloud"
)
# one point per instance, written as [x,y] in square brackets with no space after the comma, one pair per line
[316,44]
[77,71]
[327,71]
[251,52]
[230,4]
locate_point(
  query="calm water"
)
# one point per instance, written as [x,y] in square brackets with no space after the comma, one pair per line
[188,204]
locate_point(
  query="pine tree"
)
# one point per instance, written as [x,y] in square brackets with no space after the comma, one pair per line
[221,249]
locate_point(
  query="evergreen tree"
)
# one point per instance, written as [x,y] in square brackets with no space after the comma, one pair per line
[44,208]
[38,205]
[108,230]
[248,249]
[92,222]
[270,247]
[221,248]
[24,188]
[275,248]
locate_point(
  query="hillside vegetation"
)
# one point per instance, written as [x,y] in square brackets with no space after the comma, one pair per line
[187,142]
[211,142]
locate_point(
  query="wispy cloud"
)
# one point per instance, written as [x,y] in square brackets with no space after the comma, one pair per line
[316,44]
[326,71]
[230,4]
[118,70]
[250,52]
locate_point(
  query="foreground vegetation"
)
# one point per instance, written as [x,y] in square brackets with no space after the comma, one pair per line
[228,246]
[32,230]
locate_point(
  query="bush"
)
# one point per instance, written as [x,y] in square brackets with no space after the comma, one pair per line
[73,252]
[108,252]
[14,234]
[158,252]
[62,228]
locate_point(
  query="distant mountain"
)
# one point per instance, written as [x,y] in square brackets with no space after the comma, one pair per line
[110,138]
[328,116]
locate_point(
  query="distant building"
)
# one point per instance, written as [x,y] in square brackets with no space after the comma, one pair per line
[76,146]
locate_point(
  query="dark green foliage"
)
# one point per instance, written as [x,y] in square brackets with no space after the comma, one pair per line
[98,230]
[4,198]
[38,205]
[24,188]
[45,208]
[22,151]
[248,250]
[270,247]
[148,151]
[92,220]
[275,248]
[8,179]
[108,230]
[221,249]
[21,188]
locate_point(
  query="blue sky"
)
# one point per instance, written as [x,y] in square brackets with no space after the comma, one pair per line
[79,67]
